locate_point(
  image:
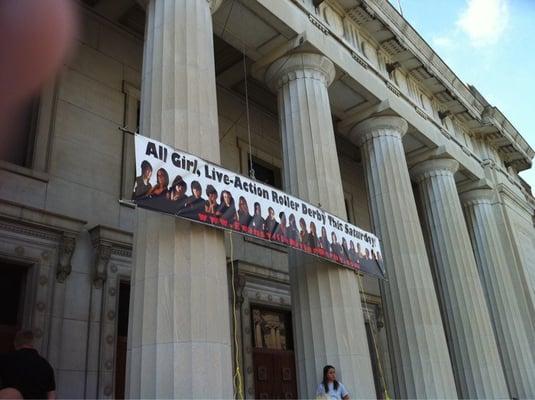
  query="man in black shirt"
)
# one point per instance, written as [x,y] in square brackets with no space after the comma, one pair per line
[26,371]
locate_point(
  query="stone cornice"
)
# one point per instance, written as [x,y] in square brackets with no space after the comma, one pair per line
[40,218]
[467,96]
[474,103]
[412,40]
[120,242]
[108,241]
[506,191]
[493,116]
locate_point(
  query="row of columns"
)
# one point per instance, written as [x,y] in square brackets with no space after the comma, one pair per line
[179,335]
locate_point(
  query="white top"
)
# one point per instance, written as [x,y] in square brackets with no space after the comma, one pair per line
[337,394]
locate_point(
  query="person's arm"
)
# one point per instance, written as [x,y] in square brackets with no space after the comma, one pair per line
[320,390]
[51,395]
[345,393]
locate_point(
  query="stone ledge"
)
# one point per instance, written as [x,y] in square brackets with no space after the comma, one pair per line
[24,171]
[40,218]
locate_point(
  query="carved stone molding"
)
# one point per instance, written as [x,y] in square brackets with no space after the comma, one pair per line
[108,242]
[28,231]
[102,258]
[37,222]
[66,251]
[239,284]
[43,224]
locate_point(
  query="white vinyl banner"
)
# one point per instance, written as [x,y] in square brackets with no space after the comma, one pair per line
[178,183]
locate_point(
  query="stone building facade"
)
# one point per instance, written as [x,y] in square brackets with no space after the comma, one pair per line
[340,103]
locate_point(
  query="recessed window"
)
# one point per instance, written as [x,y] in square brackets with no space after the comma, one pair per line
[266,172]
[19,141]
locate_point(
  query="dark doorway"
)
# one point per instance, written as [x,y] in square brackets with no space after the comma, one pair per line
[12,283]
[122,336]
[273,354]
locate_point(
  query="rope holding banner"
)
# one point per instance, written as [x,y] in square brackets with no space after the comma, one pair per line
[237,379]
[379,364]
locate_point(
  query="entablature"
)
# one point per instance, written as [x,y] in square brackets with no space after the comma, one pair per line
[404,57]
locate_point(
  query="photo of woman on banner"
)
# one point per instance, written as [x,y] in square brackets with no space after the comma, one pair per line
[142,185]
[257,223]
[178,190]
[336,249]
[293,232]
[244,217]
[303,234]
[194,203]
[176,195]
[281,234]
[313,237]
[353,256]
[227,209]
[162,183]
[324,242]
[270,224]
[156,197]
[211,206]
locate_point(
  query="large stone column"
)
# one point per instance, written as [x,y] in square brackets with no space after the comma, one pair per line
[513,343]
[476,361]
[327,313]
[179,331]
[419,353]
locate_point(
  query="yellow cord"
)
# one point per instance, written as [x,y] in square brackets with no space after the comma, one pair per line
[237,380]
[379,365]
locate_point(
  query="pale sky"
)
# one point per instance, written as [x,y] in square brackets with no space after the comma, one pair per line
[489,44]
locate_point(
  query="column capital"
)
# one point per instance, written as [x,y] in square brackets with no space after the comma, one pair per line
[378,126]
[300,65]
[434,167]
[477,196]
[213,4]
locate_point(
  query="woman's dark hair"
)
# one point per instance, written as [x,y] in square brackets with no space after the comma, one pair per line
[165,176]
[210,190]
[221,198]
[178,181]
[325,381]
[145,165]
[196,185]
